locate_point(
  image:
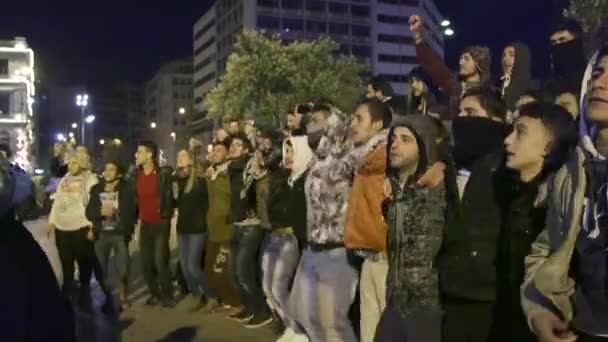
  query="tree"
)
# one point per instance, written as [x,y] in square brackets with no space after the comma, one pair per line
[264,76]
[590,13]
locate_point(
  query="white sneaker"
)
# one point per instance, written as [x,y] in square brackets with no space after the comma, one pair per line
[287,335]
[300,338]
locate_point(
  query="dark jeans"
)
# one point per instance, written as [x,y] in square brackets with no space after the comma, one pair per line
[154,247]
[468,321]
[420,325]
[74,246]
[245,267]
[191,248]
[104,246]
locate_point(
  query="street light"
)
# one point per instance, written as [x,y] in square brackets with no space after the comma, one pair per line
[182,110]
[173,135]
[448,32]
[445,23]
[102,142]
[71,134]
[153,125]
[82,101]
[74,125]
[60,137]
[90,119]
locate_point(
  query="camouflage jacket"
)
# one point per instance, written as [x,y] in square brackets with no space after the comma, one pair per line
[415,218]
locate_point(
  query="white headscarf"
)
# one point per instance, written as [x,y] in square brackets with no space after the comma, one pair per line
[302,155]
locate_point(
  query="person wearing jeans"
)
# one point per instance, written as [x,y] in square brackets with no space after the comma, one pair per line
[71,226]
[112,211]
[190,193]
[248,236]
[155,202]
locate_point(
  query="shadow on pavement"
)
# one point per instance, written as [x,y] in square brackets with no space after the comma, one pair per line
[185,334]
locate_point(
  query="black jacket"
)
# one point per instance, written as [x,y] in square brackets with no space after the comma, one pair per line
[127,208]
[192,207]
[287,205]
[520,76]
[58,169]
[33,307]
[239,206]
[164,179]
[467,261]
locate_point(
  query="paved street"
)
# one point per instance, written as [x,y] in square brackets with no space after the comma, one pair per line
[142,323]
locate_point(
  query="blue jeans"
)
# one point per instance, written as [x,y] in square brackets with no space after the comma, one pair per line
[191,248]
[323,291]
[279,263]
[104,246]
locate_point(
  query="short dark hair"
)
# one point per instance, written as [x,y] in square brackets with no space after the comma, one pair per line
[562,126]
[379,111]
[490,99]
[226,143]
[321,104]
[569,25]
[538,94]
[151,147]
[242,137]
[380,84]
[119,166]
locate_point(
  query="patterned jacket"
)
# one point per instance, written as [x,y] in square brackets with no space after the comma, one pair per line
[415,218]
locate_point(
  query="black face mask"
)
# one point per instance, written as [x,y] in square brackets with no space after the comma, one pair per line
[568,56]
[475,137]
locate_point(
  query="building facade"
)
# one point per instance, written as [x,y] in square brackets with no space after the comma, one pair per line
[168,108]
[17,91]
[374,31]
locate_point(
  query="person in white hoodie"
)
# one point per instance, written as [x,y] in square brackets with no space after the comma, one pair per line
[68,221]
[287,213]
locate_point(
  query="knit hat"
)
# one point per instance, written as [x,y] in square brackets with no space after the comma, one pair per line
[483,60]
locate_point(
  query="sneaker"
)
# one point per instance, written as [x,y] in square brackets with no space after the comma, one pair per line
[300,338]
[259,321]
[211,306]
[243,316]
[287,335]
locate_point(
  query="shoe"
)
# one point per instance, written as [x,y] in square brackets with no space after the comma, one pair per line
[199,302]
[259,321]
[287,335]
[211,306]
[243,316]
[300,338]
[152,301]
[168,303]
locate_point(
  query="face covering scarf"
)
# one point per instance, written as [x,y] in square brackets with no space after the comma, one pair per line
[475,137]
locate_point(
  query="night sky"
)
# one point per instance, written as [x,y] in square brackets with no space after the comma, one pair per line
[126,41]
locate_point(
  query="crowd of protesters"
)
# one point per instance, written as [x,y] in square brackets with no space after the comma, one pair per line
[472,210]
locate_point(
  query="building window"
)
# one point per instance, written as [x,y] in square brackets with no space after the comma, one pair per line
[203,63]
[400,2]
[337,8]
[293,4]
[205,45]
[315,6]
[3,66]
[360,31]
[210,76]
[316,26]
[344,49]
[392,19]
[338,28]
[402,59]
[359,11]
[362,51]
[198,100]
[204,29]
[269,22]
[393,38]
[293,24]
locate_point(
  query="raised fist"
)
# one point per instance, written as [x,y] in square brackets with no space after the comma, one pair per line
[416,24]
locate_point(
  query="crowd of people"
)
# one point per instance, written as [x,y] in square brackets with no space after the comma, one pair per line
[471,210]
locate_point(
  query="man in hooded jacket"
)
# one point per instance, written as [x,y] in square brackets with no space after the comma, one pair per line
[516,78]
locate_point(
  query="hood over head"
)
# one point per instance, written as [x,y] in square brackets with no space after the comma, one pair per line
[430,96]
[483,59]
[520,76]
[431,137]
[302,155]
[586,129]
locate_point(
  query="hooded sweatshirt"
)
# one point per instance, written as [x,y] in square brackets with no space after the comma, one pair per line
[71,200]
[416,218]
[518,82]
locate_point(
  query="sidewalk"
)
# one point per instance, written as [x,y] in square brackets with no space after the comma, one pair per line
[142,323]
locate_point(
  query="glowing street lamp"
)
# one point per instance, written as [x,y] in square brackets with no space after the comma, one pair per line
[102,142]
[90,119]
[173,135]
[153,125]
[74,125]
[71,134]
[182,110]
[60,137]
[82,101]
[445,23]
[448,32]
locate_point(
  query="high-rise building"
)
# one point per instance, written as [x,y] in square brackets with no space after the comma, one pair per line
[168,107]
[17,91]
[374,31]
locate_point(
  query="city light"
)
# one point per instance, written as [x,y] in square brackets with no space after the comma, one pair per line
[38,172]
[116,141]
[90,119]
[173,135]
[448,32]
[445,23]
[182,110]
[60,137]
[74,125]
[82,100]
[102,142]
[71,134]
[153,125]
